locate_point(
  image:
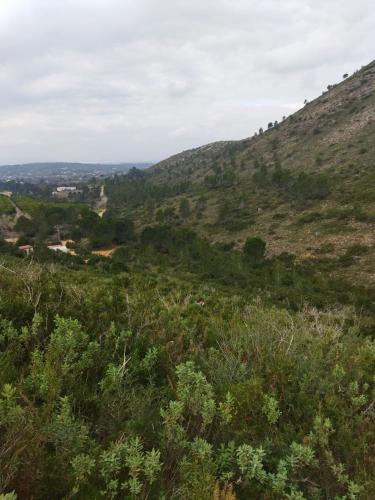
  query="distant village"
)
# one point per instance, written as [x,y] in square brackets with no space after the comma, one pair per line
[57,243]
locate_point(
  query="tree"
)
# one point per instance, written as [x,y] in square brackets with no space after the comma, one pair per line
[87,221]
[25,226]
[311,187]
[124,231]
[254,249]
[281,177]
[103,233]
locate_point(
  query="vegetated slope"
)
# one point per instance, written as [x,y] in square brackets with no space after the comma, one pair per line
[121,386]
[305,185]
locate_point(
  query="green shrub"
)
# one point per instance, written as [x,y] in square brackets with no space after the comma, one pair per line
[254,249]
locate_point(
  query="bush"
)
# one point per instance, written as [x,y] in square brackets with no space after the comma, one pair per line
[254,249]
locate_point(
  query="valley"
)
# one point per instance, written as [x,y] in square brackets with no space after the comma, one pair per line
[304,185]
[202,328]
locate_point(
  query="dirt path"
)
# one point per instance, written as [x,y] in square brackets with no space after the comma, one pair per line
[101,205]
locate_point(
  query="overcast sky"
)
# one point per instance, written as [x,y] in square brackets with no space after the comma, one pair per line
[139,80]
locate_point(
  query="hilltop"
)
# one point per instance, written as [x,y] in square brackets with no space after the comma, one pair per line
[305,185]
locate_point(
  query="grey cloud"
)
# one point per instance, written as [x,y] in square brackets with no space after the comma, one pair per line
[112,80]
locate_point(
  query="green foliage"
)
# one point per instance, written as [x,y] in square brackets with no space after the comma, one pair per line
[8,496]
[271,409]
[254,250]
[281,177]
[304,186]
[125,466]
[25,226]
[311,187]
[137,188]
[116,383]
[57,212]
[222,178]
[150,394]
[74,221]
[6,208]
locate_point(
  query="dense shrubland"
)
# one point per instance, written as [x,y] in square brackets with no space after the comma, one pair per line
[116,384]
[137,188]
[25,188]
[166,249]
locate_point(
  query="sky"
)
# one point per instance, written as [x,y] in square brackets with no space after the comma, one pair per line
[140,80]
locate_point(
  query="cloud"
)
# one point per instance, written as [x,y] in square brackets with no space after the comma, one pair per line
[112,80]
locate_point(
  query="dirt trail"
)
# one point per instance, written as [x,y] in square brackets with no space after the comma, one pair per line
[101,205]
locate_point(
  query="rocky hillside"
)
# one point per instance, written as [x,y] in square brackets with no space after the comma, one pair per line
[342,116]
[305,185]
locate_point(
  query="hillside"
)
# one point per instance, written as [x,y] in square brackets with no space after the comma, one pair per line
[305,185]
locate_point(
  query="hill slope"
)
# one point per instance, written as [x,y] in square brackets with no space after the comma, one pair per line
[305,185]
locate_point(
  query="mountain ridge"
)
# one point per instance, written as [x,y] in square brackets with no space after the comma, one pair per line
[304,185]
[39,169]
[333,91]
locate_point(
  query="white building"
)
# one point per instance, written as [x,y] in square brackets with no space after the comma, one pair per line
[58,248]
[65,191]
[62,189]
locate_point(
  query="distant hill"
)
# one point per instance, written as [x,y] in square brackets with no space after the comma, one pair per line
[61,170]
[305,185]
